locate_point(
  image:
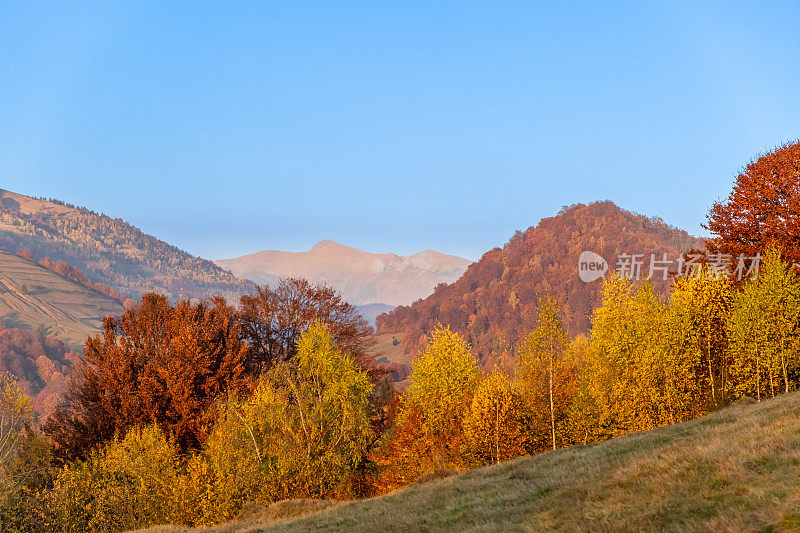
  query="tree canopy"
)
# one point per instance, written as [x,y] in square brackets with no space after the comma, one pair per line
[763,207]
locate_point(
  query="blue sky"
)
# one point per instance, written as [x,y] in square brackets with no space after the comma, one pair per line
[231,127]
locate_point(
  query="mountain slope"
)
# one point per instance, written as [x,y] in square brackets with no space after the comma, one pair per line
[362,277]
[109,251]
[33,297]
[733,470]
[494,303]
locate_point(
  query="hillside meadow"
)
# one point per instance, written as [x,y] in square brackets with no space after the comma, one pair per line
[732,470]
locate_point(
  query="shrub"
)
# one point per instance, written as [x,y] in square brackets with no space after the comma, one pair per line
[128,483]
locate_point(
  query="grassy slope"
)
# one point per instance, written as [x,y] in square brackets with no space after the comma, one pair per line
[68,310]
[736,469]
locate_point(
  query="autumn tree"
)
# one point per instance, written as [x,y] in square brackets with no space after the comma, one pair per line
[699,309]
[763,207]
[274,320]
[16,414]
[303,433]
[127,483]
[541,370]
[494,423]
[155,364]
[580,420]
[763,328]
[24,459]
[638,376]
[429,435]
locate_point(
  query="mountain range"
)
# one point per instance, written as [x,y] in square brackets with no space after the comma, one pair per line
[73,266]
[362,277]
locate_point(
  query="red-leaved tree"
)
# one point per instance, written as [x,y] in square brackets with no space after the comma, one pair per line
[763,207]
[156,363]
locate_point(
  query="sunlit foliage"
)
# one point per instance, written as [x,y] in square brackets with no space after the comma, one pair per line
[304,432]
[128,483]
[762,208]
[546,377]
[155,364]
[494,424]
[763,330]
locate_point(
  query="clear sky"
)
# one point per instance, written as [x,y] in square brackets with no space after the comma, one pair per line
[231,127]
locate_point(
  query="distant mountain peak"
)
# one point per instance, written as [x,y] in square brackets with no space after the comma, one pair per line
[327,244]
[362,277]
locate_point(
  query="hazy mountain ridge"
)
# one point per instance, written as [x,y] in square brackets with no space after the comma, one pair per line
[494,303]
[371,311]
[109,251]
[362,277]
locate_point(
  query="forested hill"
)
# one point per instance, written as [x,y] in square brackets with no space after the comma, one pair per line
[494,303]
[108,250]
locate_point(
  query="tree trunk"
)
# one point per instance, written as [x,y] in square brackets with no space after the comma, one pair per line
[552,410]
[784,365]
[497,436]
[710,367]
[771,380]
[758,379]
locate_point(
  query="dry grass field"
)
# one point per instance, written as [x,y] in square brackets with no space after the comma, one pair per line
[734,470]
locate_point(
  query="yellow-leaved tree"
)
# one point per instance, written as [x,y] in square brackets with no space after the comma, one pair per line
[700,307]
[428,436]
[16,413]
[303,433]
[764,340]
[495,421]
[24,458]
[442,383]
[546,377]
[128,483]
[637,375]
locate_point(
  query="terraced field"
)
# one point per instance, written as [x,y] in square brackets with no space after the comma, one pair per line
[32,297]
